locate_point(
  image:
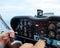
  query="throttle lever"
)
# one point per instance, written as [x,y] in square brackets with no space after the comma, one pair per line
[11,39]
[15,43]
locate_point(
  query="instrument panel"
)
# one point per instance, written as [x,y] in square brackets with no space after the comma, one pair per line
[35,28]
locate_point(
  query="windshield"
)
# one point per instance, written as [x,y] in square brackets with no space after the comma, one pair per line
[3,26]
[11,8]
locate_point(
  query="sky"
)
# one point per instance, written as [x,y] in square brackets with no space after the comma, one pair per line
[11,8]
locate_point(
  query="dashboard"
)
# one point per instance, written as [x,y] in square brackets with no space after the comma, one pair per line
[34,28]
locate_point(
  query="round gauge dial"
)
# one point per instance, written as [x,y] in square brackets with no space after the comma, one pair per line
[51,26]
[51,34]
[58,24]
[58,31]
[58,34]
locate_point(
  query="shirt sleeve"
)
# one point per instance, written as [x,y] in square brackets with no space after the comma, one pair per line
[1,46]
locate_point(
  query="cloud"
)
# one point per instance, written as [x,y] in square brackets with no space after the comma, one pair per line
[17,7]
[10,8]
[30,4]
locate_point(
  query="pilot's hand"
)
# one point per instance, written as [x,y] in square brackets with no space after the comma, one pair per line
[39,44]
[6,35]
[4,38]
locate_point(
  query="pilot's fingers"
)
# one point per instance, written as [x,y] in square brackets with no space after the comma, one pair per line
[5,35]
[26,45]
[12,34]
[39,44]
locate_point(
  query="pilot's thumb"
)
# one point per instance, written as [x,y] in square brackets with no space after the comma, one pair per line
[39,44]
[26,45]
